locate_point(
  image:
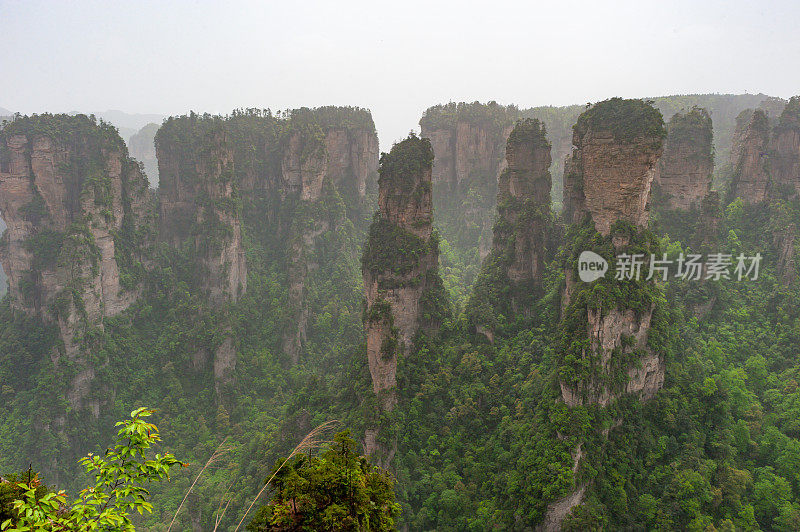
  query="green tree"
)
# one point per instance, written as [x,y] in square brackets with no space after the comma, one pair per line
[118,489]
[12,487]
[337,490]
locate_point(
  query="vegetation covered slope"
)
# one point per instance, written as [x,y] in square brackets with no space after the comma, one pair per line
[483,440]
[465,216]
[158,351]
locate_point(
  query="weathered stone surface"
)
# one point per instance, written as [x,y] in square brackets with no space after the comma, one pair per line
[400,268]
[465,150]
[444,165]
[751,180]
[352,158]
[608,180]
[785,242]
[784,152]
[293,171]
[68,190]
[610,173]
[684,172]
[304,171]
[523,201]
[766,155]
[200,211]
[39,192]
[520,240]
[299,266]
[738,137]
[304,165]
[198,202]
[405,207]
[605,331]
[404,199]
[558,510]
[624,156]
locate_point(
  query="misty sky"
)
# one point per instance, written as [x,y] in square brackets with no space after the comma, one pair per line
[396,58]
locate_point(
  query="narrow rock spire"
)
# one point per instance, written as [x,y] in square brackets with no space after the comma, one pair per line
[403,291]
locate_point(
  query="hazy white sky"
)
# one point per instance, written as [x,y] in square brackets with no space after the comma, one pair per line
[396,58]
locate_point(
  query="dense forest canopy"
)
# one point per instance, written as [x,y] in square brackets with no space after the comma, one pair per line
[236,308]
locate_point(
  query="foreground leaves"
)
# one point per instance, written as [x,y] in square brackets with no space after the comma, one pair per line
[118,490]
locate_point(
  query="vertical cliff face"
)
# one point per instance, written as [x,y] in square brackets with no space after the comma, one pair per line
[402,288]
[332,156]
[520,240]
[523,201]
[684,172]
[304,172]
[738,136]
[304,166]
[77,208]
[784,153]
[289,155]
[198,201]
[468,141]
[612,166]
[142,147]
[342,142]
[605,348]
[784,168]
[766,155]
[200,215]
[751,180]
[618,143]
[352,158]
[305,179]
[469,151]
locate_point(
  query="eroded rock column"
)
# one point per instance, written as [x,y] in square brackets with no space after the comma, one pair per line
[199,202]
[520,240]
[403,290]
[606,351]
[200,214]
[751,180]
[684,172]
[784,157]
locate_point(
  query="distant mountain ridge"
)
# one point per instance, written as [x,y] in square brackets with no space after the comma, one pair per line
[128,124]
[121,119]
